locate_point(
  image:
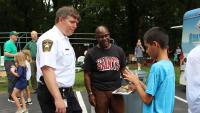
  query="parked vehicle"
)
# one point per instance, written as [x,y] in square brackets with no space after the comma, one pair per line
[190,36]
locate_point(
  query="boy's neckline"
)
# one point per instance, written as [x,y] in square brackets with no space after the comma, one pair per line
[163,60]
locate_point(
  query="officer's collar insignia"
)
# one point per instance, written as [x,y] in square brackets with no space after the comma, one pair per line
[46,45]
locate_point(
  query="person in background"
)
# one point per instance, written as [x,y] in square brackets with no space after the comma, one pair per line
[177,55]
[181,58]
[56,65]
[28,74]
[158,94]
[139,53]
[182,79]
[32,46]
[10,50]
[103,66]
[192,75]
[21,83]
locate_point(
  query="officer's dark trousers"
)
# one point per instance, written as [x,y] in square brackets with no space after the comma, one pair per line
[47,104]
[11,78]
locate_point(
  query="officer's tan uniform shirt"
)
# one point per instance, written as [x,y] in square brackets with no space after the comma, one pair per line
[54,50]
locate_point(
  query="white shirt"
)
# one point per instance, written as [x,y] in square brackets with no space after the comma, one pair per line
[192,74]
[61,57]
[28,70]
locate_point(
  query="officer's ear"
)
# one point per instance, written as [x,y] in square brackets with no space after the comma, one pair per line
[61,19]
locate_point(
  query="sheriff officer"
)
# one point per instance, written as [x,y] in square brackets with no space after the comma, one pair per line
[56,65]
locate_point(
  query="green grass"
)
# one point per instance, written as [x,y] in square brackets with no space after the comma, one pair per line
[177,72]
[79,82]
[3,84]
[147,69]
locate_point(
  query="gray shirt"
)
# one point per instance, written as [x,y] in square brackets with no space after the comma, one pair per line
[138,51]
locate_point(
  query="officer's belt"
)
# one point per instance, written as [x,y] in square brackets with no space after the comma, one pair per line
[62,89]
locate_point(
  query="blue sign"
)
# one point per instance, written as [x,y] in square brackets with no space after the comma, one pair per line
[191,30]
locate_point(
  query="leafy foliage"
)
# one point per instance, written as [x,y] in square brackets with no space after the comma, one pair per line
[127,19]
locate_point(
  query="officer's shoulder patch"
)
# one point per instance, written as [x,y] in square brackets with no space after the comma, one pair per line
[46,45]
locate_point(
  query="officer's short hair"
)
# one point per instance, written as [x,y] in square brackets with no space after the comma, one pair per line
[67,11]
[157,34]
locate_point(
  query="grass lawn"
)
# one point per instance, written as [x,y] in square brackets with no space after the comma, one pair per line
[147,69]
[3,84]
[79,83]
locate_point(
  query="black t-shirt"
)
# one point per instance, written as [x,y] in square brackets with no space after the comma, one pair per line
[105,66]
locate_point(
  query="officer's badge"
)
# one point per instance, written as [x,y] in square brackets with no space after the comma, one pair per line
[46,45]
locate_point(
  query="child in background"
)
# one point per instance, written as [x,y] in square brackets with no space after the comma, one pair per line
[21,83]
[28,74]
[158,95]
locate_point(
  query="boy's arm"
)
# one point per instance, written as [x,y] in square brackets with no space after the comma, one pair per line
[140,87]
[146,98]
[143,85]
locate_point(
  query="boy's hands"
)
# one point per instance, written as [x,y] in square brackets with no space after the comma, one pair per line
[132,78]
[131,86]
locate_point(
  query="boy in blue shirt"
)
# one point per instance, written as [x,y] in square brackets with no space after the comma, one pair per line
[158,94]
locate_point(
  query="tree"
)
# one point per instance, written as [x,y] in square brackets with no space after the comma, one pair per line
[127,20]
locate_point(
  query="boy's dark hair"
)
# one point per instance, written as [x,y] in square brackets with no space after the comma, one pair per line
[157,34]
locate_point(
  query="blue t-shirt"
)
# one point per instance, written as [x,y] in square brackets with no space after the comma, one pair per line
[161,85]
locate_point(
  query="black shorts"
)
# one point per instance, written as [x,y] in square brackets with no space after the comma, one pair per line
[139,60]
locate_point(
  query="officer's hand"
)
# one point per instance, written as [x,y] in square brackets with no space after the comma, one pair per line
[92,100]
[60,106]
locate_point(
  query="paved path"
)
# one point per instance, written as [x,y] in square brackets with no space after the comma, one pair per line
[7,107]
[180,100]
